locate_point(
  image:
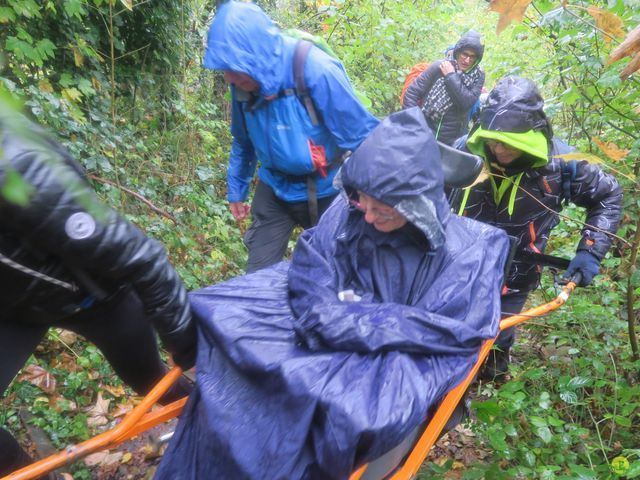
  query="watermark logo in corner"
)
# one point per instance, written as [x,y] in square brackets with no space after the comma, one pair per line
[620,465]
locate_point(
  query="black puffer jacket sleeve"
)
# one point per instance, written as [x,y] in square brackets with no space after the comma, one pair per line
[419,88]
[601,195]
[64,217]
[463,97]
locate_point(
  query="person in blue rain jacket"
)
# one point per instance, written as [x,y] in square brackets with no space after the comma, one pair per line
[270,125]
[308,369]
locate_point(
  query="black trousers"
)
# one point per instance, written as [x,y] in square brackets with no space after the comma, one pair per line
[273,221]
[118,327]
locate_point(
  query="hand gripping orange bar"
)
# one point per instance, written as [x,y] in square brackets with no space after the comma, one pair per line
[133,423]
[420,451]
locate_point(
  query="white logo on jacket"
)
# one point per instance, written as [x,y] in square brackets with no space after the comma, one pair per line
[79,226]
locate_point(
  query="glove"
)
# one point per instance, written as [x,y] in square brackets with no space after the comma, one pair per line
[585,263]
[182,343]
[186,358]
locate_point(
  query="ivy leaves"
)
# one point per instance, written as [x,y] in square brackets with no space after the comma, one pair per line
[26,49]
[25,8]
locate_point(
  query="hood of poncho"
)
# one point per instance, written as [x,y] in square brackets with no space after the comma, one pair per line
[399,165]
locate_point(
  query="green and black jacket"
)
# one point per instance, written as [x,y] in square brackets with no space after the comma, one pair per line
[525,200]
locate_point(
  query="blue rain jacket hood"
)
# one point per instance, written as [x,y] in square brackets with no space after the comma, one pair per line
[242,38]
[310,369]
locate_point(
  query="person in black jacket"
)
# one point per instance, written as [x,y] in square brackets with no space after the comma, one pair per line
[448,89]
[528,184]
[67,260]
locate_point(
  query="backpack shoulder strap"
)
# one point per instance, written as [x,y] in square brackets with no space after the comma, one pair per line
[299,59]
[568,174]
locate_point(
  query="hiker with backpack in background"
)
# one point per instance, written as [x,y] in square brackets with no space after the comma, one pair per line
[448,89]
[293,110]
[528,184]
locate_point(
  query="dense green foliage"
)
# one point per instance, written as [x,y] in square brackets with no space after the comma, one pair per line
[120,83]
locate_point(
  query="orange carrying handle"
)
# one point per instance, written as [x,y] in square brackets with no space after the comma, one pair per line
[138,420]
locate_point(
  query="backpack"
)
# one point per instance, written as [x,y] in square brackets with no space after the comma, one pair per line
[322,44]
[414,73]
[567,174]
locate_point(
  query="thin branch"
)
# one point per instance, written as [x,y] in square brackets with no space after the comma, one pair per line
[135,195]
[595,27]
[132,51]
[631,297]
[607,104]
[565,217]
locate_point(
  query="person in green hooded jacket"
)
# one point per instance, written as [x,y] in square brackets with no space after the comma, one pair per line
[528,184]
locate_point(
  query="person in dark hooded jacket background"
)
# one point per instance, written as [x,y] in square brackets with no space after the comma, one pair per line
[270,124]
[68,261]
[310,369]
[528,184]
[447,90]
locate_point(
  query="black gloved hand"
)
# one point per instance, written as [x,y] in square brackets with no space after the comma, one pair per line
[182,343]
[186,358]
[585,263]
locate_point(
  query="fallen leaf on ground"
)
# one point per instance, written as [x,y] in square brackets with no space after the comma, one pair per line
[121,410]
[97,414]
[38,376]
[67,337]
[115,390]
[61,404]
[95,458]
[103,458]
[66,361]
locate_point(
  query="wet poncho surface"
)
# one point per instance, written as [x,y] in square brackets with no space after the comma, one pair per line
[309,369]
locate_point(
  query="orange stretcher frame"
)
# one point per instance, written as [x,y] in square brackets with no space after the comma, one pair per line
[140,419]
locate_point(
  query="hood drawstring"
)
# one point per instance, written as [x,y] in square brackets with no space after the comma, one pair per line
[499,192]
[465,199]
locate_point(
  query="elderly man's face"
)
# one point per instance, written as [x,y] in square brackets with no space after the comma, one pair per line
[241,80]
[383,217]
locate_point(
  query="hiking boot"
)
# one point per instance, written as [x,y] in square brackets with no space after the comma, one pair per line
[496,367]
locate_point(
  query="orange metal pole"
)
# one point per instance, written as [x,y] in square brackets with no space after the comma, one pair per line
[150,420]
[358,473]
[101,441]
